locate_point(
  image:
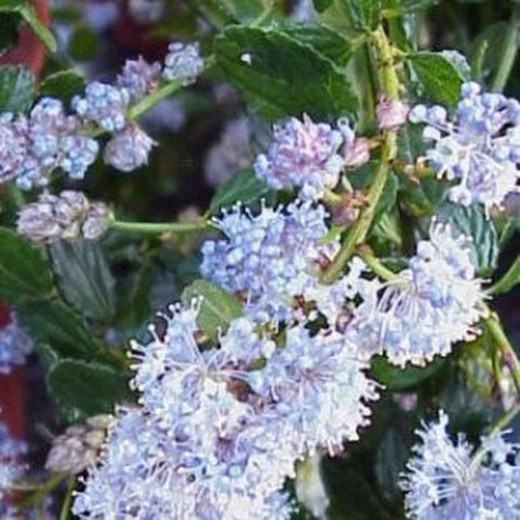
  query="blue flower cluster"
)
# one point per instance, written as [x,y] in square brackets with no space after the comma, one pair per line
[15,345]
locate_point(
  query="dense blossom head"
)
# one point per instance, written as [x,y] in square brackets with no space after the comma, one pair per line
[139,78]
[128,149]
[103,104]
[69,215]
[305,155]
[11,454]
[183,63]
[429,305]
[32,147]
[479,148]
[15,345]
[270,257]
[446,480]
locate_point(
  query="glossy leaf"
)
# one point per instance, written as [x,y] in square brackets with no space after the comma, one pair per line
[63,85]
[16,89]
[364,14]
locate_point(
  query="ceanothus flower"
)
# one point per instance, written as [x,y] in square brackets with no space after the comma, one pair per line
[15,345]
[128,149]
[11,454]
[479,148]
[103,104]
[270,257]
[431,304]
[303,154]
[139,78]
[183,63]
[447,480]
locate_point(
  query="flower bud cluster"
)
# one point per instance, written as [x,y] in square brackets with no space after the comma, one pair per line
[11,455]
[446,479]
[69,215]
[479,147]
[78,448]
[183,63]
[15,345]
[214,419]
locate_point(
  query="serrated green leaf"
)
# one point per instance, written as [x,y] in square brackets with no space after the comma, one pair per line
[509,280]
[364,14]
[84,277]
[280,75]
[24,274]
[9,23]
[439,80]
[56,325]
[321,38]
[243,187]
[16,89]
[85,389]
[218,307]
[397,379]
[63,85]
[83,44]
[29,15]
[472,222]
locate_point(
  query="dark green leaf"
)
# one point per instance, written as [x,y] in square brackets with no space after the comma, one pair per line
[218,306]
[388,198]
[29,15]
[439,80]
[243,187]
[83,44]
[9,23]
[12,5]
[409,6]
[280,75]
[364,14]
[472,222]
[323,39]
[84,277]
[486,48]
[397,379]
[509,280]
[245,10]
[16,89]
[85,389]
[322,5]
[55,324]
[63,85]
[24,274]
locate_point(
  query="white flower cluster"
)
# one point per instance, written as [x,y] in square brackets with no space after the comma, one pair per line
[11,463]
[446,480]
[15,345]
[33,146]
[428,306]
[214,420]
[479,148]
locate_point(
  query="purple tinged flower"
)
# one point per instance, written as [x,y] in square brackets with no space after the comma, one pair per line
[103,104]
[183,63]
[139,78]
[128,149]
[446,479]
[15,345]
[11,454]
[69,215]
[391,114]
[304,155]
[479,147]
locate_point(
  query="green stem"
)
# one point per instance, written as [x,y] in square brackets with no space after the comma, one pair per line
[156,96]
[159,227]
[374,263]
[357,233]
[509,51]
[65,507]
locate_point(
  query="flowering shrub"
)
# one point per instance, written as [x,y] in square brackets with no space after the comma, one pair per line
[296,319]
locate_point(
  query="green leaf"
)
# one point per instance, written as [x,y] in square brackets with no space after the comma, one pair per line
[280,75]
[439,80]
[218,306]
[83,45]
[472,222]
[388,198]
[397,379]
[85,389]
[509,280]
[84,277]
[486,48]
[29,15]
[24,274]
[410,6]
[245,10]
[322,5]
[56,325]
[12,5]
[9,23]
[16,89]
[243,187]
[63,85]
[364,14]
[321,38]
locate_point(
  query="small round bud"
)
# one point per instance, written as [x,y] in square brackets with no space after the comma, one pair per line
[183,63]
[129,149]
